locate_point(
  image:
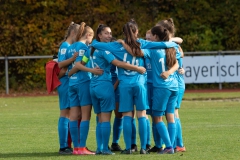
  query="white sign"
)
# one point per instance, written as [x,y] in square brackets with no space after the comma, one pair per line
[212,69]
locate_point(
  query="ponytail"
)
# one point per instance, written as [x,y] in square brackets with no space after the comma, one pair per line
[72,26]
[129,30]
[163,35]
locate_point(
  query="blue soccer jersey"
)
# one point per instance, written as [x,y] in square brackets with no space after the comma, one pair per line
[101,59]
[80,76]
[117,47]
[62,89]
[180,78]
[159,65]
[132,85]
[148,67]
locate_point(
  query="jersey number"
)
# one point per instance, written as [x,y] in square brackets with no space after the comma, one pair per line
[161,60]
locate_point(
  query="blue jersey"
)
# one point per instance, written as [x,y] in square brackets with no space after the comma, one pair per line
[159,65]
[180,78]
[80,76]
[148,67]
[113,71]
[117,47]
[62,51]
[101,59]
[121,54]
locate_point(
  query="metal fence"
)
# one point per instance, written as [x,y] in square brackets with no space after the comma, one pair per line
[6,58]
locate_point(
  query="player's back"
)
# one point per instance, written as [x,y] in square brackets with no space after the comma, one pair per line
[80,76]
[159,65]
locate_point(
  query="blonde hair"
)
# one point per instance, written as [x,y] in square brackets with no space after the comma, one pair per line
[83,30]
[72,27]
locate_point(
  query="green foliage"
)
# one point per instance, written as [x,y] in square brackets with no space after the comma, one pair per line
[31,27]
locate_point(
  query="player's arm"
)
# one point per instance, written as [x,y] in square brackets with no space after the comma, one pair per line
[156,45]
[62,72]
[181,71]
[79,66]
[110,46]
[165,74]
[178,40]
[128,48]
[67,62]
[128,66]
[181,51]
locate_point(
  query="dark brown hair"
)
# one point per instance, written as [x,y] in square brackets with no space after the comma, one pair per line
[129,30]
[168,23]
[163,35]
[100,28]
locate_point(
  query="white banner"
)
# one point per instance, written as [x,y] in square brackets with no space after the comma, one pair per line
[212,69]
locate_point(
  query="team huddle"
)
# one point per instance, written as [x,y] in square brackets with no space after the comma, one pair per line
[132,77]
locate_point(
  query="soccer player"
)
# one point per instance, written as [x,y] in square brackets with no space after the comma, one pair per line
[178,145]
[79,93]
[63,121]
[103,102]
[165,90]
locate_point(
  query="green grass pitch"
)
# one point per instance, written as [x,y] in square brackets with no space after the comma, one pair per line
[211,129]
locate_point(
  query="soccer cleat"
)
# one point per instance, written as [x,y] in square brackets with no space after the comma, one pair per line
[129,151]
[98,152]
[167,151]
[143,151]
[89,150]
[134,148]
[108,152]
[115,147]
[148,147]
[85,151]
[155,149]
[65,151]
[180,149]
[75,151]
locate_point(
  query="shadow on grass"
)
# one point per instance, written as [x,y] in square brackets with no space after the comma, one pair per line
[43,154]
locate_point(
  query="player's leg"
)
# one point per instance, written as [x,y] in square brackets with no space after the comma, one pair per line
[126,107]
[74,116]
[117,124]
[160,100]
[97,111]
[141,102]
[107,104]
[63,121]
[179,140]
[86,108]
[170,115]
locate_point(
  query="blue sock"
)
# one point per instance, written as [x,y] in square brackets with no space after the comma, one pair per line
[99,137]
[84,128]
[127,131]
[142,127]
[172,132]
[162,130]
[63,131]
[134,132]
[148,132]
[73,126]
[117,129]
[179,139]
[106,130]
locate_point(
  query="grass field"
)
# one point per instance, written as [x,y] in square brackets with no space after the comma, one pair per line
[211,129]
